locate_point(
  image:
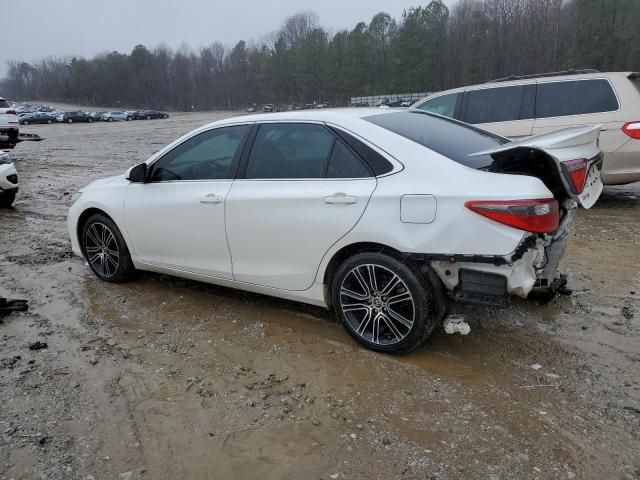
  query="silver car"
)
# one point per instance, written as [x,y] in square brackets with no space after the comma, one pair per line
[116,117]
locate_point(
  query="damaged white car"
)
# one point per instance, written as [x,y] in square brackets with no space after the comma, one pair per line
[386,217]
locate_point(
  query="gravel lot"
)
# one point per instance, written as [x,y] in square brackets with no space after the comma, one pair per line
[164,378]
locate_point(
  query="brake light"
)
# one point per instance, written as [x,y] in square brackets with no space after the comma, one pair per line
[10,112]
[537,216]
[577,172]
[632,129]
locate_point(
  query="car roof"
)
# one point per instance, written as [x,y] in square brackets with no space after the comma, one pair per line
[319,115]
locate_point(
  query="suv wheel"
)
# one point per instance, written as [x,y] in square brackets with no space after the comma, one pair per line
[385,304]
[105,249]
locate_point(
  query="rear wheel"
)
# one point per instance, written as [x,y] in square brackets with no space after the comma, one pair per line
[90,120]
[25,123]
[109,119]
[148,117]
[69,120]
[105,249]
[49,122]
[385,304]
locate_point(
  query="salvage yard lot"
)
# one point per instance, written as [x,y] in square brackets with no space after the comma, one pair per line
[168,378]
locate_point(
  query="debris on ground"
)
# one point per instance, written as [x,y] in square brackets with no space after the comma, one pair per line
[9,306]
[38,345]
[456,324]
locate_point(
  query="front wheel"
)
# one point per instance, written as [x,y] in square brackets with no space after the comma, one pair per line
[109,119]
[385,304]
[105,249]
[129,119]
[25,123]
[49,122]
[7,200]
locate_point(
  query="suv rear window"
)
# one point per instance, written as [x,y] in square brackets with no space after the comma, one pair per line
[575,97]
[4,104]
[450,138]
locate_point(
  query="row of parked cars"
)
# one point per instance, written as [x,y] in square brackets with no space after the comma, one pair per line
[42,115]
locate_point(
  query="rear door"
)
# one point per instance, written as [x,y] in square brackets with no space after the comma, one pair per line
[504,110]
[300,190]
[568,103]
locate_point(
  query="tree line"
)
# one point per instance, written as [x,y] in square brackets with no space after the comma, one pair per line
[430,48]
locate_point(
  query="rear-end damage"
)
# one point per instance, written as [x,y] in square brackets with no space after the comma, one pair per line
[569,163]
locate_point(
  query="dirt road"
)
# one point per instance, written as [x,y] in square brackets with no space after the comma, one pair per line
[163,378]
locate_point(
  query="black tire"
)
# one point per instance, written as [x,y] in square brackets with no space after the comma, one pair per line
[90,120]
[95,244]
[393,335]
[165,116]
[49,122]
[109,119]
[7,200]
[129,119]
[148,117]
[25,122]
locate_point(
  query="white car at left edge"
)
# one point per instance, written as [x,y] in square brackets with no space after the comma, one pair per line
[386,216]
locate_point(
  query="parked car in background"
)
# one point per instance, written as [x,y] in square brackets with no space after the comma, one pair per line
[268,108]
[96,116]
[149,115]
[36,117]
[384,215]
[71,117]
[8,119]
[8,181]
[516,107]
[59,116]
[116,117]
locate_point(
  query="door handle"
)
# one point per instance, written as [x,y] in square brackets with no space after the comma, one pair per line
[340,199]
[211,198]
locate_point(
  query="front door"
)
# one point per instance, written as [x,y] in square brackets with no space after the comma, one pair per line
[177,218]
[303,190]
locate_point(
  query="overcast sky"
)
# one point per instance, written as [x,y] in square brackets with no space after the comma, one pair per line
[34,29]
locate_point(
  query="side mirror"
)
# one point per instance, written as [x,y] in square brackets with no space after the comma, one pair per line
[138,174]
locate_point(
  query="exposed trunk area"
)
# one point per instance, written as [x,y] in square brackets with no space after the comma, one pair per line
[534,163]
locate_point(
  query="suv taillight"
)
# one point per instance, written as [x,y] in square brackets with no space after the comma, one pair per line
[10,112]
[537,216]
[577,172]
[632,129]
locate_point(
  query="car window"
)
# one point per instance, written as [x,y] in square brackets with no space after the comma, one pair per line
[453,139]
[442,105]
[207,156]
[4,104]
[290,150]
[575,97]
[345,164]
[490,105]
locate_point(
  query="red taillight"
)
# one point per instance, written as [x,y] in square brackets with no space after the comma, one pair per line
[632,129]
[577,171]
[538,216]
[10,112]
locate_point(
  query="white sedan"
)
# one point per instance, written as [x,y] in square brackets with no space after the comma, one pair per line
[384,216]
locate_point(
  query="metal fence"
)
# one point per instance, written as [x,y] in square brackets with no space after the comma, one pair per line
[375,100]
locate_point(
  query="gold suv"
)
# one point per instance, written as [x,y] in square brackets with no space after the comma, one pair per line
[520,106]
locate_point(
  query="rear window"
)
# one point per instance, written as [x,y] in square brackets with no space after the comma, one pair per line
[450,138]
[4,104]
[576,97]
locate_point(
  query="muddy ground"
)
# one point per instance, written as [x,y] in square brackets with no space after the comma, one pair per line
[163,378]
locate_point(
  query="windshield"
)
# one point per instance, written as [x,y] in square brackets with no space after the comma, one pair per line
[453,139]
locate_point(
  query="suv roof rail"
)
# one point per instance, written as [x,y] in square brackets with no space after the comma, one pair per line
[581,71]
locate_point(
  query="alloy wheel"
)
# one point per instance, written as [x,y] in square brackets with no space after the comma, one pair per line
[377,304]
[102,250]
